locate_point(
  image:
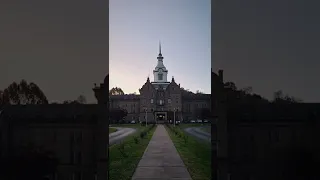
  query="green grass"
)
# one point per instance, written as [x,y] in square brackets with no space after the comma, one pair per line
[195,154]
[122,167]
[112,130]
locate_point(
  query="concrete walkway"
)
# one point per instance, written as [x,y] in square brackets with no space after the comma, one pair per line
[161,160]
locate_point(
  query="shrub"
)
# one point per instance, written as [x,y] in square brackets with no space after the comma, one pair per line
[142,134]
[185,138]
[136,140]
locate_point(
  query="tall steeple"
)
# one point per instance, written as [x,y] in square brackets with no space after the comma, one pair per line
[160,49]
[160,72]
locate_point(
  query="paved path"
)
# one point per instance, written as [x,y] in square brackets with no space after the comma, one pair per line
[199,133]
[161,160]
[120,134]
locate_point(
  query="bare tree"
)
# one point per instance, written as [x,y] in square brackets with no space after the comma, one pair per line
[81,99]
[116,91]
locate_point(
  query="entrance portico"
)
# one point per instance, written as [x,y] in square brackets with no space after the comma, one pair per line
[161,117]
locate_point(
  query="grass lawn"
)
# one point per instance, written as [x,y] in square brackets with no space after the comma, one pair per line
[195,154]
[111,130]
[122,166]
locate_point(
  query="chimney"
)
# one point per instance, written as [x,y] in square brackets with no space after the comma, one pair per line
[221,75]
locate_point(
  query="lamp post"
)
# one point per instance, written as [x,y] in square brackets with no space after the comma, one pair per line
[146,116]
[174,116]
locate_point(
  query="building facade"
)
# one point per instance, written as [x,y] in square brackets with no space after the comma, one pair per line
[250,137]
[77,135]
[159,100]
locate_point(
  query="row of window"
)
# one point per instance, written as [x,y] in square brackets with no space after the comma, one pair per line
[161,102]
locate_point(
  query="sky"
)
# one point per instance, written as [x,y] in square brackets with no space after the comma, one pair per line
[269,45]
[62,46]
[182,26]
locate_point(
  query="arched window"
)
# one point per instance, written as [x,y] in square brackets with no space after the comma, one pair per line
[160,76]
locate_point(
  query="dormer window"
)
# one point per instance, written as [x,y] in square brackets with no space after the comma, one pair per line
[160,77]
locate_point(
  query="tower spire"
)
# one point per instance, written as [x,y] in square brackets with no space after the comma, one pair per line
[160,48]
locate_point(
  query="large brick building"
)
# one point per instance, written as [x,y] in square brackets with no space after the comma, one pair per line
[159,100]
[77,135]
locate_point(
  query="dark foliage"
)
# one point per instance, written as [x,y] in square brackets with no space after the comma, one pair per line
[116,91]
[116,115]
[22,93]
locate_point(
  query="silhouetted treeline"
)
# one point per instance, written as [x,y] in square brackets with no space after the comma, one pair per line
[246,95]
[22,93]
[116,115]
[116,91]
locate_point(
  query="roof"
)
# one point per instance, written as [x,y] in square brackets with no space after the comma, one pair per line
[196,96]
[125,97]
[157,85]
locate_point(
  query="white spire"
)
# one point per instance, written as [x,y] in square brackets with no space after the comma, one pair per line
[160,73]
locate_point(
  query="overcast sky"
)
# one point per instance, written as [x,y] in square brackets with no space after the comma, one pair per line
[62,46]
[182,26]
[269,45]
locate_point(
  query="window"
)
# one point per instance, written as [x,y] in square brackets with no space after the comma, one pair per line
[161,102]
[151,109]
[169,101]
[160,77]
[151,101]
